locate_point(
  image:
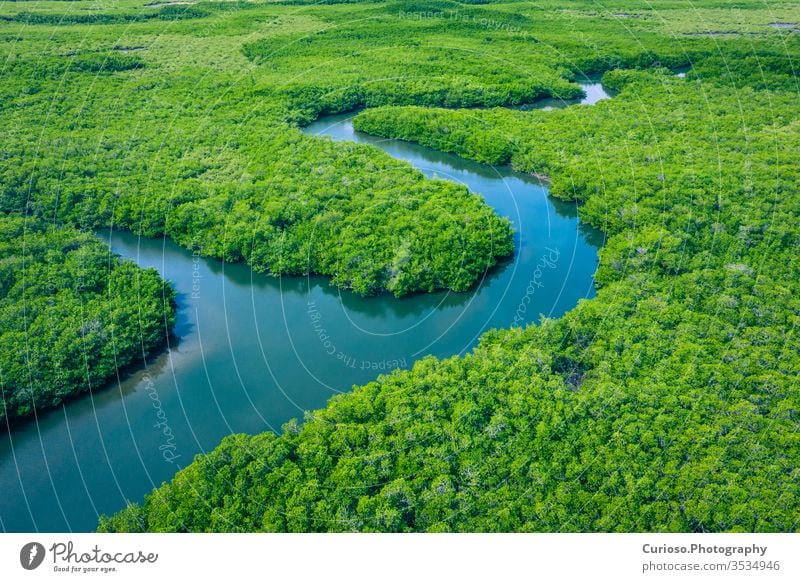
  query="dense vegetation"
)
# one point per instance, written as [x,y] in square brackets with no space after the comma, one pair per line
[668,402]
[208,154]
[539,430]
[70,314]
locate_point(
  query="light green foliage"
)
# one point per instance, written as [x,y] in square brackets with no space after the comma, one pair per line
[160,142]
[668,402]
[555,428]
[680,174]
[71,314]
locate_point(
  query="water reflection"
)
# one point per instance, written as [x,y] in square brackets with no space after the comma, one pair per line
[253,351]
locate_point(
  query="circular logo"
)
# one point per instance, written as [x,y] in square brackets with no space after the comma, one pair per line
[31,555]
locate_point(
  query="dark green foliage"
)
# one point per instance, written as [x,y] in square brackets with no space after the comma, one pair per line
[315,2]
[468,138]
[29,72]
[70,314]
[177,12]
[105,63]
[397,66]
[71,18]
[775,70]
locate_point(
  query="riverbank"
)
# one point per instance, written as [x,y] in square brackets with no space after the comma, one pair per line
[254,351]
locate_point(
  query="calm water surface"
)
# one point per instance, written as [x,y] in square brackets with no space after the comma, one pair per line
[251,351]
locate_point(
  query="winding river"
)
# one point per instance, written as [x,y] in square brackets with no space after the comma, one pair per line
[250,351]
